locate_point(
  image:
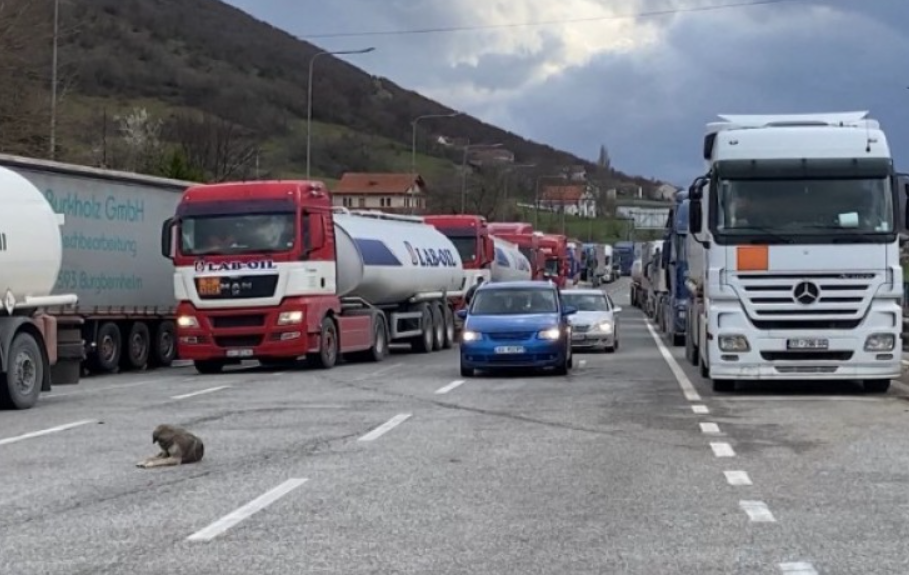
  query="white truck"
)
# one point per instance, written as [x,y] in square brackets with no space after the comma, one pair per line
[793,252]
[36,350]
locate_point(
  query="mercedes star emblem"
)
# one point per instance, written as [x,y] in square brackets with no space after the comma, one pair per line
[806,293]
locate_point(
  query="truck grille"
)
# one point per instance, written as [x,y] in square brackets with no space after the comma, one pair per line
[234,321]
[805,301]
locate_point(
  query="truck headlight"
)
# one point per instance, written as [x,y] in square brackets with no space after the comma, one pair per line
[469,336]
[290,317]
[551,334]
[188,321]
[734,343]
[880,342]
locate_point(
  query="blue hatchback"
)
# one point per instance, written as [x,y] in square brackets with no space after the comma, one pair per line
[516,324]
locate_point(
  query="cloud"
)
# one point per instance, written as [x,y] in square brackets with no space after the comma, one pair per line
[643,87]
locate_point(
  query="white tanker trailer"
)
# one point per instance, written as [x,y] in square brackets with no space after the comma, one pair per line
[356,281]
[509,264]
[35,349]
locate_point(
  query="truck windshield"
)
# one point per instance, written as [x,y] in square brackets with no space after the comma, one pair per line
[237,234]
[528,253]
[552,266]
[466,246]
[809,208]
[513,302]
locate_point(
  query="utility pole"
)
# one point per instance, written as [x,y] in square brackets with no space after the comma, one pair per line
[53,111]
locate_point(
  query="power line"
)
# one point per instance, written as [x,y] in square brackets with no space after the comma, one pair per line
[474,28]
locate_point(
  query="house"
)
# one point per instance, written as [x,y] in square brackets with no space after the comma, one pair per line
[393,193]
[665,192]
[572,199]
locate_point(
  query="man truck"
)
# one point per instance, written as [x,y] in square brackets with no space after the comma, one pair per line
[675,266]
[270,271]
[793,252]
[36,349]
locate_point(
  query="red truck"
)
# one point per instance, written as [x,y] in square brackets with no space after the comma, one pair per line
[555,252]
[521,234]
[470,235]
[271,271]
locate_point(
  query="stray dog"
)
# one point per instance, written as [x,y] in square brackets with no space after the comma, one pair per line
[177,446]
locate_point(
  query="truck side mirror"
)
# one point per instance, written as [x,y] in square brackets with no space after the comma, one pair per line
[695,217]
[167,238]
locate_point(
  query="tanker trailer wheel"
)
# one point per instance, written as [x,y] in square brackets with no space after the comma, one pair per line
[328,345]
[164,351]
[138,347]
[449,327]
[438,327]
[21,384]
[108,348]
[423,343]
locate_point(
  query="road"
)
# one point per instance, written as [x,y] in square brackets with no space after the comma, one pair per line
[630,465]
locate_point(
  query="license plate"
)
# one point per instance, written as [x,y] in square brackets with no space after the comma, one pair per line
[578,337]
[239,353]
[510,349]
[807,343]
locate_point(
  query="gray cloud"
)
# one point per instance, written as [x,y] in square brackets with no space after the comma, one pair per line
[645,89]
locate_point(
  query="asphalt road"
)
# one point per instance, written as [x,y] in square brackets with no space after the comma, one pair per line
[630,465]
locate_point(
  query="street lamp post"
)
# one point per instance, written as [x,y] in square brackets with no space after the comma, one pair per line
[312,61]
[467,148]
[53,110]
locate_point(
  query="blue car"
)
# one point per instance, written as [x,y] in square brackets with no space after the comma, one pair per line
[516,324]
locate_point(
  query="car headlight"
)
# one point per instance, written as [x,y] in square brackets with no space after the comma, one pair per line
[552,333]
[290,317]
[468,336]
[187,321]
[605,327]
[880,342]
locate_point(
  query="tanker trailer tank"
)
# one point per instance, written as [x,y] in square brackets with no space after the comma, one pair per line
[509,263]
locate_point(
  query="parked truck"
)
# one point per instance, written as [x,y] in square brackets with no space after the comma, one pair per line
[521,234]
[555,257]
[654,280]
[793,252]
[111,260]
[675,266]
[595,264]
[37,350]
[625,254]
[271,271]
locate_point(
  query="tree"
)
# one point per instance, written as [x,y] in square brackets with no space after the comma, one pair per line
[219,149]
[604,162]
[140,134]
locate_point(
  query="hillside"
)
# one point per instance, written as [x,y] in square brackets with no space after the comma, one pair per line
[225,96]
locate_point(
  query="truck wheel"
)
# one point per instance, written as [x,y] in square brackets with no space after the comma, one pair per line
[379,349]
[137,348]
[164,352]
[438,327]
[108,348]
[876,385]
[423,343]
[21,384]
[449,327]
[208,367]
[328,345]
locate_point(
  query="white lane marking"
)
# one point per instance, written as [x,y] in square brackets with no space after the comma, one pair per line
[700,409]
[722,449]
[99,389]
[238,515]
[450,386]
[47,431]
[798,568]
[737,478]
[200,392]
[386,427]
[757,511]
[582,362]
[690,393]
[711,428]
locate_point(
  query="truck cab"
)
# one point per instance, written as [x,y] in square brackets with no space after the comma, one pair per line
[793,252]
[471,235]
[555,253]
[521,234]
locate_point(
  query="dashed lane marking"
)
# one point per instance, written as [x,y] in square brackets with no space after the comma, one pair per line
[200,392]
[700,409]
[757,511]
[737,478]
[798,568]
[450,386]
[722,449]
[691,394]
[710,428]
[244,512]
[385,427]
[47,431]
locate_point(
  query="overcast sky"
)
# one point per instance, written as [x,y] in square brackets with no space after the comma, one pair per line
[644,87]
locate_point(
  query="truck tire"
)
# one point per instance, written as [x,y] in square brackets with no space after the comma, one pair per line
[108,349]
[327,357]
[164,351]
[423,343]
[876,385]
[450,336]
[379,349]
[137,348]
[21,384]
[438,327]
[208,367]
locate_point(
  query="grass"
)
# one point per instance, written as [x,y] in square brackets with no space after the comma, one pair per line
[599,230]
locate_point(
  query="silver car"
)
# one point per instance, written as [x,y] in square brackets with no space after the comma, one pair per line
[596,323]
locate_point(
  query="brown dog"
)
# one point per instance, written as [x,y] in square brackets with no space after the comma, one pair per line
[177,445]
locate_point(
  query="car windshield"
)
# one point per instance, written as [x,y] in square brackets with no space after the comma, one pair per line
[586,301]
[237,234]
[514,302]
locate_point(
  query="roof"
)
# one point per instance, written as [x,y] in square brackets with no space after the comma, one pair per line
[361,183]
[570,193]
[522,284]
